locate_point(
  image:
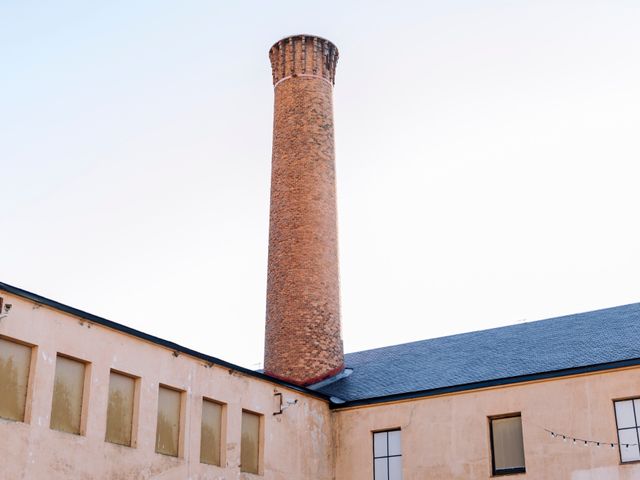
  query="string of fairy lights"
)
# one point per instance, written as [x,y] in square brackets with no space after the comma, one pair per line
[585,442]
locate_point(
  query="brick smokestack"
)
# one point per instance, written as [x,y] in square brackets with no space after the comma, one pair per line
[303,342]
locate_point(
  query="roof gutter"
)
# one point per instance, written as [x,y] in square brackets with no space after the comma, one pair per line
[600,367]
[153,339]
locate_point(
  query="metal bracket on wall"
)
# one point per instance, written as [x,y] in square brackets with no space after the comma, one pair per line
[280,409]
[281,406]
[7,307]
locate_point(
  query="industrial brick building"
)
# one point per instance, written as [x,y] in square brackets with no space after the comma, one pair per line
[83,397]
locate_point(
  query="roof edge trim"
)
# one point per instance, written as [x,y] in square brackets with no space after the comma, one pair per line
[600,367]
[153,339]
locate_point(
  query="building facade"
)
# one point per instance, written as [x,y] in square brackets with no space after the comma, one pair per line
[83,397]
[58,425]
[262,427]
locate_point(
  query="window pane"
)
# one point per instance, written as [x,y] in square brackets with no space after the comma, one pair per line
[120,409]
[508,449]
[381,471]
[395,468]
[250,442]
[631,453]
[210,432]
[394,443]
[168,428]
[66,409]
[14,377]
[380,444]
[624,414]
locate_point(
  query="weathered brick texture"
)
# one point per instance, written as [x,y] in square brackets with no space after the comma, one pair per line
[303,341]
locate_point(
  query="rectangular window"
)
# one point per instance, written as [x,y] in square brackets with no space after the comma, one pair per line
[387,455]
[627,421]
[507,447]
[210,432]
[122,389]
[250,443]
[15,361]
[168,427]
[68,392]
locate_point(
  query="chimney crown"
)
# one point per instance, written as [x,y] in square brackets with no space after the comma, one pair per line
[303,55]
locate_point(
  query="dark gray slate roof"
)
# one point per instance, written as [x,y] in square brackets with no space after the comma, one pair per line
[529,349]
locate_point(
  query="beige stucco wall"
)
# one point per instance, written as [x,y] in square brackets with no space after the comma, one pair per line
[297,444]
[447,437]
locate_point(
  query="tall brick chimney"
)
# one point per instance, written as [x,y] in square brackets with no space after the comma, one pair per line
[303,342]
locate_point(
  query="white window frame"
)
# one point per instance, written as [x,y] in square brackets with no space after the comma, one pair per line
[387,456]
[635,405]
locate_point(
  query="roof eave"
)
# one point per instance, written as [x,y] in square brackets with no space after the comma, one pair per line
[19,292]
[582,370]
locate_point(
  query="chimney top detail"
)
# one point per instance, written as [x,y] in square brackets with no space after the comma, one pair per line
[303,56]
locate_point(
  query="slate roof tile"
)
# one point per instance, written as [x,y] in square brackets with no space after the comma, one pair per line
[571,341]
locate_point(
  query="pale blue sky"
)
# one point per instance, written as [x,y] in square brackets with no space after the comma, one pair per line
[488,161]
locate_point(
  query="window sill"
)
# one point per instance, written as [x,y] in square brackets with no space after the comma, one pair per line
[250,476]
[511,471]
[175,458]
